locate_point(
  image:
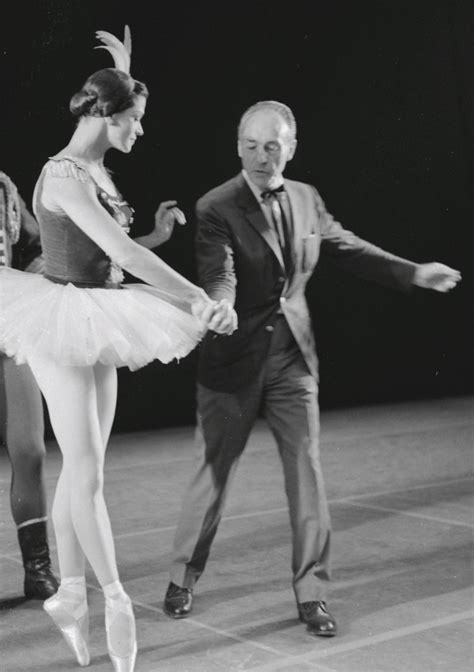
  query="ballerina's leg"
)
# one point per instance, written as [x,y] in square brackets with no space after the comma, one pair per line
[106,387]
[120,621]
[81,403]
[71,397]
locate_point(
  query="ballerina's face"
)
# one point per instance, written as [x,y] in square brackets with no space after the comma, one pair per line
[125,127]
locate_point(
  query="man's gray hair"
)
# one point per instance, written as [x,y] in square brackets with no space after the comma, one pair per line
[280,108]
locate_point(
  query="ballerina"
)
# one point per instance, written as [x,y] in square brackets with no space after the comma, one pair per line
[79,322]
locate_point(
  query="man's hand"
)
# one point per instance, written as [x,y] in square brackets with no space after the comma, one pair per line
[436,276]
[166,217]
[224,318]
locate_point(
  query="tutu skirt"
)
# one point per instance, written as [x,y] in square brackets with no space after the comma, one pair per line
[130,326]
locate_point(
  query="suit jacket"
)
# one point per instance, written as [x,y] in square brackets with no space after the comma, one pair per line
[239,258]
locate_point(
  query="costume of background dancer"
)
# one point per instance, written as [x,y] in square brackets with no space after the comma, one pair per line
[21,413]
[78,323]
[258,242]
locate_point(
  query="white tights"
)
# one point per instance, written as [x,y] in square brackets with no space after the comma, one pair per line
[81,403]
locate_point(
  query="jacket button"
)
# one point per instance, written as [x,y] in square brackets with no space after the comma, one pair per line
[282,299]
[269,327]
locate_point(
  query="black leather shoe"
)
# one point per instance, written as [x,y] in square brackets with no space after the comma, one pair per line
[178,601]
[319,622]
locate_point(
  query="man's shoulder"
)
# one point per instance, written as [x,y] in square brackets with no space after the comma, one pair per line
[234,190]
[302,187]
[223,193]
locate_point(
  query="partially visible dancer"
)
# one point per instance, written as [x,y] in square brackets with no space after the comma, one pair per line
[78,323]
[21,425]
[258,242]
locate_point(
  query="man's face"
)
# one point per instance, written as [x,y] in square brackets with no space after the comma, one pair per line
[265,145]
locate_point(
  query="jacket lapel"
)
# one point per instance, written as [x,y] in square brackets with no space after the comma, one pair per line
[296,218]
[254,215]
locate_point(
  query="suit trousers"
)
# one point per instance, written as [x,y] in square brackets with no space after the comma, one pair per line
[287,394]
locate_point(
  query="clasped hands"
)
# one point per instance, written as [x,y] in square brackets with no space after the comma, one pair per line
[218,316]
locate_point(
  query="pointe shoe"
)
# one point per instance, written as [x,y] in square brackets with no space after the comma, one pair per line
[73,623]
[121,633]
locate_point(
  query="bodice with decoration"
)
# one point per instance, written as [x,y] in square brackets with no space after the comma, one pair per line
[123,214]
[69,254]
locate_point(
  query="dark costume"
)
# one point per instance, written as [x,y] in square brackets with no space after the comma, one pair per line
[23,429]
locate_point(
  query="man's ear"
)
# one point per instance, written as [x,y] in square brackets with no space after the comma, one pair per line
[292,149]
[111,120]
[239,148]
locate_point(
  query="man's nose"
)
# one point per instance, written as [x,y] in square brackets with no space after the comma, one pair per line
[140,130]
[261,155]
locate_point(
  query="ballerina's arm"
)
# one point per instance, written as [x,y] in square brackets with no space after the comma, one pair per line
[79,201]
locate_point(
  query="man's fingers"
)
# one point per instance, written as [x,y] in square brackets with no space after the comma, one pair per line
[231,328]
[437,277]
[215,323]
[451,273]
[448,285]
[219,317]
[224,323]
[219,321]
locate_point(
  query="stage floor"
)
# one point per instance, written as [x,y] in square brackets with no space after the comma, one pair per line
[400,484]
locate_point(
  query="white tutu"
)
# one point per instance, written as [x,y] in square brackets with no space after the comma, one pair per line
[130,326]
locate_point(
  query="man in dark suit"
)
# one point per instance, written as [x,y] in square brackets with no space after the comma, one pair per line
[258,241]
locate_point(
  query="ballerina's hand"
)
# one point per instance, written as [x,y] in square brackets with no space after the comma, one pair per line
[167,215]
[203,308]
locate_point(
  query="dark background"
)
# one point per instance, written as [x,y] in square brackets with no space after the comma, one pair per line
[382,92]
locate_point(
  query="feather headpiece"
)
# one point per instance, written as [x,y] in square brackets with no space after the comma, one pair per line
[121,52]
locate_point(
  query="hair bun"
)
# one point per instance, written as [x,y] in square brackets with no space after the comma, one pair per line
[106,92]
[82,102]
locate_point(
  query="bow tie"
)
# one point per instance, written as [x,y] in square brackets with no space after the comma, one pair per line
[273,192]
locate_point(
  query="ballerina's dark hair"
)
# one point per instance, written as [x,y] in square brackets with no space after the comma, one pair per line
[106,92]
[109,90]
